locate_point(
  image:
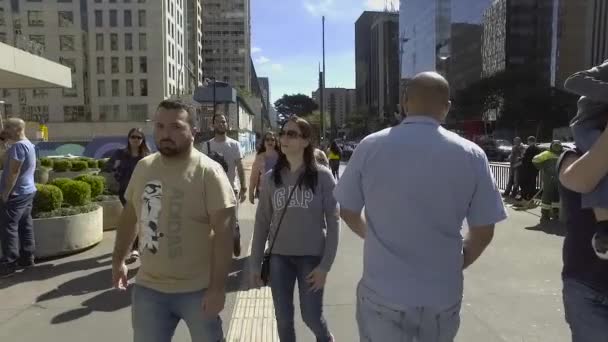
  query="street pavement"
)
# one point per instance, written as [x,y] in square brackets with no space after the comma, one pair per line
[512,294]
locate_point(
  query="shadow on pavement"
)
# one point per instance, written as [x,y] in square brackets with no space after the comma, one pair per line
[552,228]
[108,301]
[49,270]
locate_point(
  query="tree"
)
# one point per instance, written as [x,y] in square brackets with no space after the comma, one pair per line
[298,104]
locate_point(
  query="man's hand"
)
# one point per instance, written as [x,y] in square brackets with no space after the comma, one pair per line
[252,198]
[316,279]
[120,279]
[255,280]
[243,195]
[213,302]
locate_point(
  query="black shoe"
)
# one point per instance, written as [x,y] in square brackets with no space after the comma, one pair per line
[26,262]
[237,243]
[7,270]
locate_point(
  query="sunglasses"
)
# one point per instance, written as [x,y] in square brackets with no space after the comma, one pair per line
[136,137]
[270,140]
[290,134]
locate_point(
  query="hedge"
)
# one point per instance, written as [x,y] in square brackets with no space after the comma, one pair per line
[62,165]
[48,198]
[79,165]
[101,163]
[92,164]
[71,211]
[46,162]
[76,193]
[97,184]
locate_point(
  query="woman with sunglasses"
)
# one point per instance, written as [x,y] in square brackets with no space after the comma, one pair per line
[122,165]
[304,241]
[267,157]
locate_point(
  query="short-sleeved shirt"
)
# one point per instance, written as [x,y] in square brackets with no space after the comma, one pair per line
[173,200]
[231,150]
[580,261]
[25,152]
[418,182]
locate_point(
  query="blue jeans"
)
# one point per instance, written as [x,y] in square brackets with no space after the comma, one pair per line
[379,323]
[17,228]
[284,271]
[155,316]
[586,312]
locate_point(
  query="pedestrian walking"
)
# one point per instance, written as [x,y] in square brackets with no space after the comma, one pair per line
[17,191]
[177,200]
[321,158]
[517,152]
[298,216]
[121,165]
[547,163]
[335,157]
[586,127]
[230,150]
[417,182]
[584,275]
[528,173]
[265,160]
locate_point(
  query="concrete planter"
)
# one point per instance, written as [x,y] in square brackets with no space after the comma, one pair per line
[41,175]
[71,174]
[68,234]
[111,213]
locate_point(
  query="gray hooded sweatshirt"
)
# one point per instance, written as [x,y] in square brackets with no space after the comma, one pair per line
[311,226]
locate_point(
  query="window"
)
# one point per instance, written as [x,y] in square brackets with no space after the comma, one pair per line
[40,93]
[143,65]
[141,16]
[128,41]
[64,1]
[143,44]
[101,66]
[141,1]
[112,1]
[75,113]
[97,1]
[66,43]
[38,38]
[99,42]
[70,92]
[109,113]
[3,37]
[66,19]
[115,86]
[128,19]
[35,18]
[114,41]
[98,18]
[113,18]
[101,88]
[114,64]
[137,112]
[129,65]
[69,62]
[2,22]
[143,87]
[130,91]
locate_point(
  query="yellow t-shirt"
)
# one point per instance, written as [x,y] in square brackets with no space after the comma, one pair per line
[172,200]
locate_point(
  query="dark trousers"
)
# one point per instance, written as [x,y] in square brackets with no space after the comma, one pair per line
[527,182]
[123,200]
[513,184]
[17,230]
[334,165]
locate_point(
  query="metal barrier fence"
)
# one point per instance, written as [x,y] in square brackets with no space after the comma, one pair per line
[501,175]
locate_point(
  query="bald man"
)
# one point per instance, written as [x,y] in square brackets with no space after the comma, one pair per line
[417,182]
[17,190]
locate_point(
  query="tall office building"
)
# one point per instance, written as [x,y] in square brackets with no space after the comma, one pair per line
[339,102]
[377,63]
[265,88]
[126,56]
[226,28]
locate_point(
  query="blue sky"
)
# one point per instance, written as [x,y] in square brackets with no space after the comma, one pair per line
[286,42]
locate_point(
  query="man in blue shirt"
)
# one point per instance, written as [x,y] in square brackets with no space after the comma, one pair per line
[417,182]
[17,190]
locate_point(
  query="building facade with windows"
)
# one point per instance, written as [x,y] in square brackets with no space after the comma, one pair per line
[226,46]
[341,103]
[126,56]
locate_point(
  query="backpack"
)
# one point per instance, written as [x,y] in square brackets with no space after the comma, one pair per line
[218,157]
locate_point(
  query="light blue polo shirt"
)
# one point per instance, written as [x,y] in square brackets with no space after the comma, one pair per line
[418,182]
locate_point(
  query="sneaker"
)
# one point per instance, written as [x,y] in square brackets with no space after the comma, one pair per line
[26,262]
[132,258]
[237,243]
[7,270]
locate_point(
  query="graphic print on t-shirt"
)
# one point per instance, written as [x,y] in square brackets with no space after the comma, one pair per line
[301,198]
[150,214]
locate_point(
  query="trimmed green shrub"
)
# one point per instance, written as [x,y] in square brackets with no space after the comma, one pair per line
[46,162]
[92,164]
[97,184]
[101,163]
[79,165]
[62,165]
[70,211]
[48,198]
[59,182]
[76,193]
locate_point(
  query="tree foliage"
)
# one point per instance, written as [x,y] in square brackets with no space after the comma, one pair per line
[298,104]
